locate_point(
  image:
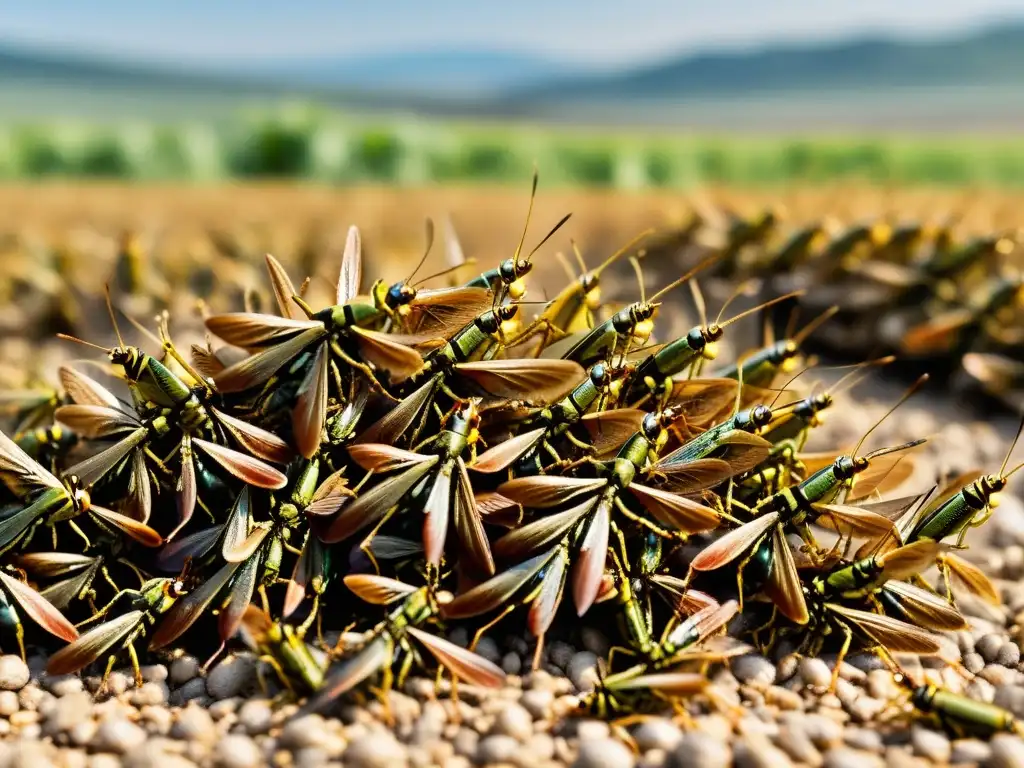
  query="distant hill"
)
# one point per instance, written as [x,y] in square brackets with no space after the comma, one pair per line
[989,57]
[441,72]
[974,80]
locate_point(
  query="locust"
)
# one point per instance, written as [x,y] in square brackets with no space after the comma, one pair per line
[613,487]
[434,482]
[338,342]
[391,642]
[147,604]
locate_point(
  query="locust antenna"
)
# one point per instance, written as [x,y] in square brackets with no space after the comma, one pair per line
[579,257]
[113,317]
[760,307]
[430,244]
[638,271]
[619,253]
[529,212]
[698,303]
[676,283]
[548,236]
[815,324]
[1009,451]
[906,396]
[67,337]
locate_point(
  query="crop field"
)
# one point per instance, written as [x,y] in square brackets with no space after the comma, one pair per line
[316,146]
[344,529]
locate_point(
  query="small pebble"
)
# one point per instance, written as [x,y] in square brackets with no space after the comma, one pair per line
[699,750]
[560,654]
[1007,751]
[255,716]
[930,744]
[305,731]
[594,641]
[795,743]
[62,685]
[67,712]
[14,674]
[970,751]
[193,690]
[603,753]
[154,673]
[496,749]
[657,733]
[194,724]
[1009,655]
[867,739]
[540,746]
[117,736]
[537,702]
[183,669]
[989,646]
[758,752]
[150,694]
[582,670]
[513,720]
[815,673]
[231,677]
[488,648]
[587,730]
[237,751]
[465,742]
[973,662]
[754,670]
[376,750]
[511,664]
[844,757]
[8,703]
[823,731]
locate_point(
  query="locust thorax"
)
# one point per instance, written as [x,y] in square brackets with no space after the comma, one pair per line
[81,497]
[288,513]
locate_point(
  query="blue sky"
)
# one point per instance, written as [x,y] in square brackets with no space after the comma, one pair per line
[604,33]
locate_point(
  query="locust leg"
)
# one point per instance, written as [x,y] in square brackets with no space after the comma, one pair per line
[106,676]
[314,615]
[843,650]
[19,633]
[364,545]
[133,656]
[483,630]
[622,650]
[656,529]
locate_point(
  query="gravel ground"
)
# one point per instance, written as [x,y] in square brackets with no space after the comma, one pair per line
[773,714]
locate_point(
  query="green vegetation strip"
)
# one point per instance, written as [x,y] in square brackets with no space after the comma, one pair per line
[412,153]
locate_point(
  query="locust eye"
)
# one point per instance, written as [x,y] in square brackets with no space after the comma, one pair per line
[589,282]
[176,588]
[444,597]
[598,374]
